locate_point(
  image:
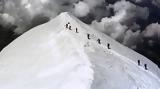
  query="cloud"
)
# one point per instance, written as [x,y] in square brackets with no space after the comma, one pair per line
[110,27]
[24,11]
[81,9]
[131,39]
[44,1]
[95,7]
[152,30]
[6,20]
[156,3]
[93,3]
[122,26]
[130,11]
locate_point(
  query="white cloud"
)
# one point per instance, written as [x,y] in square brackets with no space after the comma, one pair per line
[110,26]
[131,38]
[130,11]
[152,30]
[23,11]
[6,20]
[44,1]
[122,26]
[81,9]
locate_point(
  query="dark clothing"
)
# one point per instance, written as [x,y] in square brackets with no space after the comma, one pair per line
[76,30]
[66,25]
[99,41]
[70,28]
[108,45]
[145,66]
[88,36]
[139,62]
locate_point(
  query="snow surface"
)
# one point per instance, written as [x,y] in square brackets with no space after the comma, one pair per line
[51,56]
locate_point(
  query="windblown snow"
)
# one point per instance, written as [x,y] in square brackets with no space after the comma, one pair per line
[56,56]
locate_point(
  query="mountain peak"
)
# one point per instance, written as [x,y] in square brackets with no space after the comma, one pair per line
[54,56]
[66,15]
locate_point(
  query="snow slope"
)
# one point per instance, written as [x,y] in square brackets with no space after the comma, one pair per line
[51,56]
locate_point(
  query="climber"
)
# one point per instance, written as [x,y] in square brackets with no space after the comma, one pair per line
[139,62]
[108,45]
[145,66]
[88,36]
[67,25]
[76,30]
[99,41]
[70,28]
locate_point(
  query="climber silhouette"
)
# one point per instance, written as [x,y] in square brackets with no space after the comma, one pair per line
[77,30]
[67,24]
[70,28]
[99,41]
[108,45]
[139,62]
[88,36]
[145,66]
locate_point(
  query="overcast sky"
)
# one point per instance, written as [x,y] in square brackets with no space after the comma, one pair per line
[134,23]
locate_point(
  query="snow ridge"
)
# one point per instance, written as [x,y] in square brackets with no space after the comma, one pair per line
[57,56]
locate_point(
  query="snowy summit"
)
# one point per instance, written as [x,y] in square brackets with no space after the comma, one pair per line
[65,53]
